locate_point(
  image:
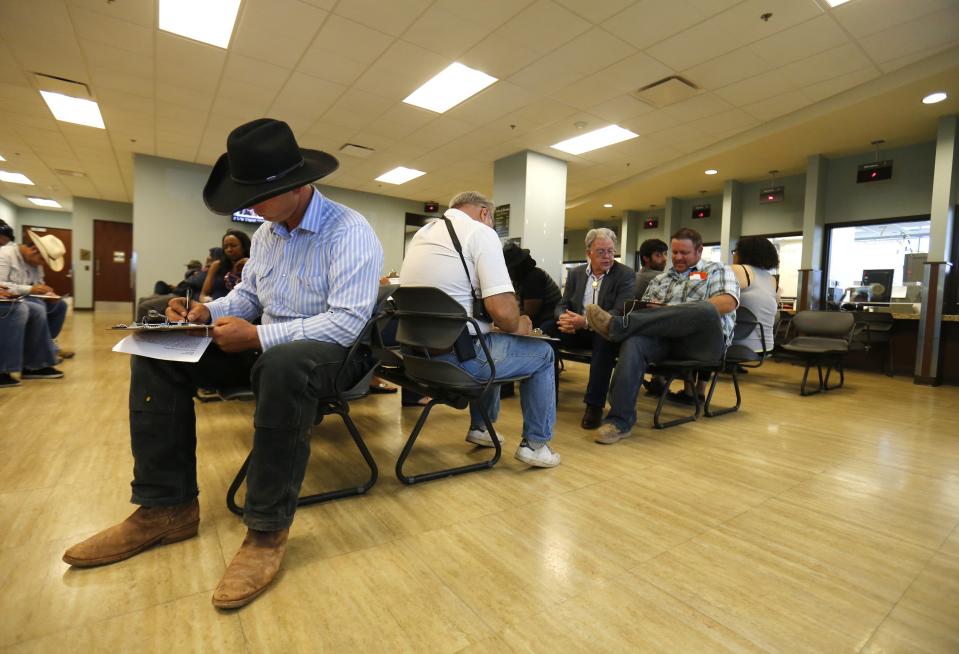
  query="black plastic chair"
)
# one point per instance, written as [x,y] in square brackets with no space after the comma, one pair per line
[338,403]
[672,369]
[874,329]
[823,339]
[432,321]
[738,355]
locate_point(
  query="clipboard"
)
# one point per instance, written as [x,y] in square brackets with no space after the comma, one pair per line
[137,327]
[44,297]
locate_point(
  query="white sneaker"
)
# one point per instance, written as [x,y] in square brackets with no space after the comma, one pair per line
[541,458]
[482,438]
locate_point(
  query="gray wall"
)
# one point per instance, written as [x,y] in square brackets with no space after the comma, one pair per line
[8,214]
[776,218]
[709,227]
[42,218]
[908,193]
[171,225]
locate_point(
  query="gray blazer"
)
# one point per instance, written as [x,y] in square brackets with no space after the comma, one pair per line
[617,288]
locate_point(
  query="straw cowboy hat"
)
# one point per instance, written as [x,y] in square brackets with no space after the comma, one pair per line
[262,160]
[51,249]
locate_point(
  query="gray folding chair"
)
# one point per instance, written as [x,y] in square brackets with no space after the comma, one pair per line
[823,340]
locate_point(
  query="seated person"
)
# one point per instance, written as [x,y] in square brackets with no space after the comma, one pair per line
[25,343]
[753,259]
[537,293]
[192,279]
[652,254]
[609,284]
[432,260]
[235,276]
[312,278]
[690,314]
[21,267]
[236,246]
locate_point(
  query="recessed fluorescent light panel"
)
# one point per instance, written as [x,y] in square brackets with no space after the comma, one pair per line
[45,202]
[73,110]
[608,205]
[1,158]
[208,21]
[932,98]
[400,175]
[450,87]
[710,171]
[836,3]
[14,178]
[598,138]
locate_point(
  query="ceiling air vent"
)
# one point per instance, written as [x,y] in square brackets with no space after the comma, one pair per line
[69,173]
[357,150]
[62,85]
[666,92]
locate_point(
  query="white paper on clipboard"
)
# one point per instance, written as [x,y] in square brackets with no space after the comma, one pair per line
[169,346]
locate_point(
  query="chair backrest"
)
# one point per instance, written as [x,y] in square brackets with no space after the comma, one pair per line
[825,324]
[370,336]
[429,319]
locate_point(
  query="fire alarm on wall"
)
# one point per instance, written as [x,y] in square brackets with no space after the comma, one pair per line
[431,207]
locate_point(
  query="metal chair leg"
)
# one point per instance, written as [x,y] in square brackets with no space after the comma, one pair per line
[842,376]
[805,375]
[315,498]
[449,472]
[707,408]
[658,423]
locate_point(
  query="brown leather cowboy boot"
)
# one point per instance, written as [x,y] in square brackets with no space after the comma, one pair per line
[252,569]
[147,526]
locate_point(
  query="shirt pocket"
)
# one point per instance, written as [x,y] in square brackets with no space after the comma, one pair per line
[266,285]
[309,294]
[696,289]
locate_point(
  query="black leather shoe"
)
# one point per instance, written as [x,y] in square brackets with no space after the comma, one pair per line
[593,417]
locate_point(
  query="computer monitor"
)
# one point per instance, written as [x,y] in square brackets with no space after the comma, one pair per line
[882,277]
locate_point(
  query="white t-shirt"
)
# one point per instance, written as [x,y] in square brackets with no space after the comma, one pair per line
[431,260]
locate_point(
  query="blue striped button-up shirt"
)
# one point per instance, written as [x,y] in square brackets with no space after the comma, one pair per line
[317,282]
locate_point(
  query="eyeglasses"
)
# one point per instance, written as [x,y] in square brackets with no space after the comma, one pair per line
[604,252]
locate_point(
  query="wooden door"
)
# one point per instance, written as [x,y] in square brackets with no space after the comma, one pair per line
[112,247]
[61,282]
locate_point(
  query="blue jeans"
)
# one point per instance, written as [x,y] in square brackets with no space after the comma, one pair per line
[25,341]
[515,356]
[691,331]
[56,313]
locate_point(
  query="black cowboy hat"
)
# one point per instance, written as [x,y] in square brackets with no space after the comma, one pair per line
[262,160]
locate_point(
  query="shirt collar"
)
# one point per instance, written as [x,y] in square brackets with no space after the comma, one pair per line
[456,213]
[700,265]
[312,219]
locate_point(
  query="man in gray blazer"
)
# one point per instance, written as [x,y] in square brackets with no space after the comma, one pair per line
[600,281]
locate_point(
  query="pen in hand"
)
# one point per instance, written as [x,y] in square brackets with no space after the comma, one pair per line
[186,311]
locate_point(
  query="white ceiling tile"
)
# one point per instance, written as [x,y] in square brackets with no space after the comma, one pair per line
[499,57]
[803,40]
[738,26]
[544,76]
[322,4]
[697,107]
[831,87]
[595,11]
[432,30]
[141,13]
[865,18]
[620,108]
[727,69]
[230,111]
[542,112]
[756,88]
[402,69]
[937,29]
[650,21]
[725,122]
[104,80]
[99,28]
[355,109]
[269,77]
[35,17]
[174,55]
[391,17]
[440,131]
[487,14]
[343,50]
[650,123]
[900,62]
[101,57]
[826,65]
[305,96]
[170,94]
[779,105]
[492,103]
[277,31]
[542,27]
[591,51]
[586,92]
[633,73]
[59,57]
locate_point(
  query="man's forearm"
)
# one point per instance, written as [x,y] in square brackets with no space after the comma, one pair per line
[724,302]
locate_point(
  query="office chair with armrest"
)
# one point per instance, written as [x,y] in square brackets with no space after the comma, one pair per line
[368,344]
[823,339]
[872,329]
[430,321]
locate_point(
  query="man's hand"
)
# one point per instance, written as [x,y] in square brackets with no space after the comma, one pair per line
[40,289]
[6,294]
[176,311]
[569,322]
[232,334]
[524,326]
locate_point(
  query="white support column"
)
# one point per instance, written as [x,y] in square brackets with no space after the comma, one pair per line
[810,272]
[732,219]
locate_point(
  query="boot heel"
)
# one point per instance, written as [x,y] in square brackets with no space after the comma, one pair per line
[184,532]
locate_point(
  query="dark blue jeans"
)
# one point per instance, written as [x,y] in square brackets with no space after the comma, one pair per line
[601,364]
[691,331]
[56,313]
[25,342]
[287,380]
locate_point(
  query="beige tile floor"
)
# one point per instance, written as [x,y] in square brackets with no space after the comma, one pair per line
[820,524]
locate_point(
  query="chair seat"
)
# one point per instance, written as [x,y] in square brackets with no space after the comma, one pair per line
[577,354]
[741,353]
[816,345]
[681,363]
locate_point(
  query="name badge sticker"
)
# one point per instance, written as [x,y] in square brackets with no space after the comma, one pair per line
[698,275]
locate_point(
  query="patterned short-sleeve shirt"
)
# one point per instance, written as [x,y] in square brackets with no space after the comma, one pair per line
[704,280]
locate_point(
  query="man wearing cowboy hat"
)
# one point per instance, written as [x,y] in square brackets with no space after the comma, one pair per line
[21,271]
[312,280]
